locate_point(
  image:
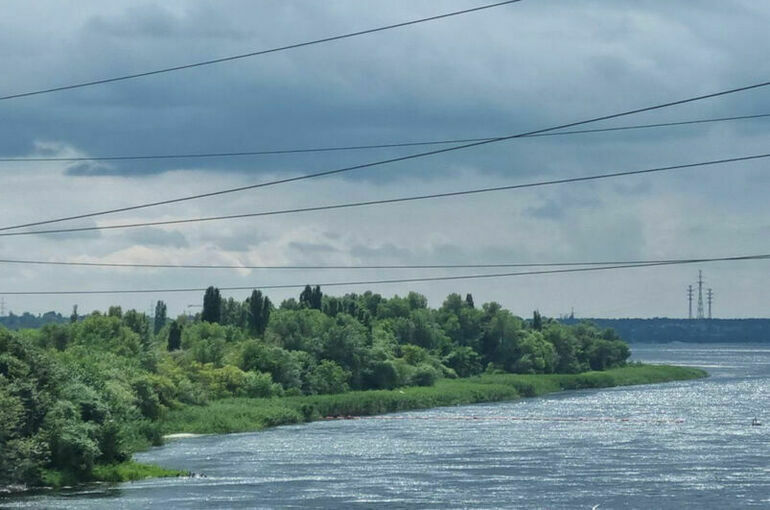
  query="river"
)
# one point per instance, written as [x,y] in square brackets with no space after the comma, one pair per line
[677,445]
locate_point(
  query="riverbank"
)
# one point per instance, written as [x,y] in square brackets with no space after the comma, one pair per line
[121,472]
[252,414]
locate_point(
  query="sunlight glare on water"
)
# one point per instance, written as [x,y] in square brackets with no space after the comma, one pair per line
[676,445]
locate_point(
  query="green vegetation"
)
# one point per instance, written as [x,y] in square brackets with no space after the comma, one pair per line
[77,399]
[244,414]
[114,473]
[27,320]
[126,471]
[660,330]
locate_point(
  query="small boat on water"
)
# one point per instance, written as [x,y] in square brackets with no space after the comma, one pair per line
[755,423]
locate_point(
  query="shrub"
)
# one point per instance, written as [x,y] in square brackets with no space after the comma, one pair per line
[329,377]
[425,375]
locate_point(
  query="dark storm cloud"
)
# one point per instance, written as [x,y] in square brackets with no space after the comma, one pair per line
[514,69]
[418,86]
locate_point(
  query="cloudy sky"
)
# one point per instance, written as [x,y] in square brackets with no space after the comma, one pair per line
[506,70]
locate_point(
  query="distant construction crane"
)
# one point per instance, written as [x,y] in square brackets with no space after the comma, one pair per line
[710,295]
[689,300]
[2,307]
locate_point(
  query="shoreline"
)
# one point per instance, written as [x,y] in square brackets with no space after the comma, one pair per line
[238,415]
[235,415]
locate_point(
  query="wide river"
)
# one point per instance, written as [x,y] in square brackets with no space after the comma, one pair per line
[677,445]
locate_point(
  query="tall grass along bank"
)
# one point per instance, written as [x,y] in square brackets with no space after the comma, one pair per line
[250,414]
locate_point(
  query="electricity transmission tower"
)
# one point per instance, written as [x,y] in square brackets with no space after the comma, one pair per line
[700,294]
[689,301]
[710,295]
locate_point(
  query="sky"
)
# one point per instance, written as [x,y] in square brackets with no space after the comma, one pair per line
[514,68]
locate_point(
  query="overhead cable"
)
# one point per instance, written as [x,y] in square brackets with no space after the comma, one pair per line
[414,198]
[133,265]
[390,160]
[390,281]
[253,53]
[306,150]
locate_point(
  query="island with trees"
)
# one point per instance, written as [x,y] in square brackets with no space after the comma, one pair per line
[78,398]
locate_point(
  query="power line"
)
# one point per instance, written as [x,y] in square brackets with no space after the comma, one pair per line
[392,145]
[391,281]
[391,160]
[342,267]
[389,200]
[254,53]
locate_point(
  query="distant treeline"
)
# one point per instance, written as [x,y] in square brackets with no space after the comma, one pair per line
[29,321]
[661,330]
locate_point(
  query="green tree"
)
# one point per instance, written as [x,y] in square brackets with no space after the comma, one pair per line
[174,336]
[267,310]
[160,317]
[312,297]
[298,330]
[566,349]
[345,343]
[233,313]
[281,364]
[306,297]
[139,323]
[212,306]
[259,312]
[464,361]
[381,374]
[290,304]
[329,377]
[537,321]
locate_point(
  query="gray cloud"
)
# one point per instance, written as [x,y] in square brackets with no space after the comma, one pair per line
[312,248]
[381,253]
[437,92]
[157,237]
[526,67]
[556,208]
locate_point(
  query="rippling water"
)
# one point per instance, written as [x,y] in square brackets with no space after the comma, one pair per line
[676,445]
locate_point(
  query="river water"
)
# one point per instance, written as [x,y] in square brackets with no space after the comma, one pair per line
[676,445]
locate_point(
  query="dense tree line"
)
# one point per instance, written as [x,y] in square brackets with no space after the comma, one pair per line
[662,330]
[92,390]
[28,320]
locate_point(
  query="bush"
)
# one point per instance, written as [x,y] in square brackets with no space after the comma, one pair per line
[329,377]
[72,443]
[464,361]
[258,384]
[381,375]
[425,375]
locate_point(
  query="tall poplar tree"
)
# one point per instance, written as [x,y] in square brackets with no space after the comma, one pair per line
[316,298]
[267,308]
[212,306]
[160,316]
[174,336]
[256,309]
[306,297]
